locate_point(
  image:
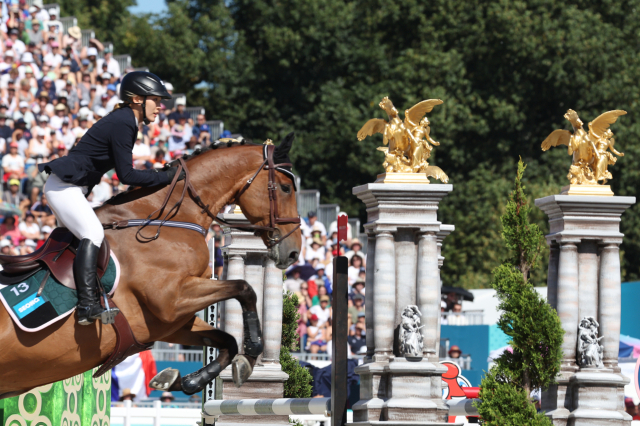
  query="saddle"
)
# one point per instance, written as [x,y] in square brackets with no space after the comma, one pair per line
[57,254]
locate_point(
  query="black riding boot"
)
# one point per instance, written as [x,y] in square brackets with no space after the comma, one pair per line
[86,278]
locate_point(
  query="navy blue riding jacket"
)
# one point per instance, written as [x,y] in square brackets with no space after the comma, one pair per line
[107,144]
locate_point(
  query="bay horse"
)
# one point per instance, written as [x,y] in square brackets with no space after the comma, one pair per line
[164,282]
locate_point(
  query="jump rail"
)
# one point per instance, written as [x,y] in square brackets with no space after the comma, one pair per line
[303,406]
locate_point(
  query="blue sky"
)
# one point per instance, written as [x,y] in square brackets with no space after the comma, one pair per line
[149,6]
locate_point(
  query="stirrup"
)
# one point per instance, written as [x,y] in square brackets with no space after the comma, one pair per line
[108,316]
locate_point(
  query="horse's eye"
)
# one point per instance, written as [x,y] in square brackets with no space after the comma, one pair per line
[286,188]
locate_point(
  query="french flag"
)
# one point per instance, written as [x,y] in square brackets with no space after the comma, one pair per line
[133,373]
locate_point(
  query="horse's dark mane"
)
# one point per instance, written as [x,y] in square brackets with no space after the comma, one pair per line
[133,194]
[212,147]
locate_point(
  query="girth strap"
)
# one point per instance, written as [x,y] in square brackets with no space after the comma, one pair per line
[121,224]
[126,343]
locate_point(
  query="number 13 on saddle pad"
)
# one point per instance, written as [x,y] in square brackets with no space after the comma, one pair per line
[32,313]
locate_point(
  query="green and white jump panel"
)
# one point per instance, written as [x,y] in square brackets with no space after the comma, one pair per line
[78,401]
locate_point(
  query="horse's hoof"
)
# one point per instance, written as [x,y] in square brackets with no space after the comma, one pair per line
[166,380]
[241,370]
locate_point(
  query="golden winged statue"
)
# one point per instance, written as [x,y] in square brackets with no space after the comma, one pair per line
[409,140]
[589,151]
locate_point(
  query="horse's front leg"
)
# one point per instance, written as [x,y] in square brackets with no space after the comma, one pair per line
[197,293]
[195,333]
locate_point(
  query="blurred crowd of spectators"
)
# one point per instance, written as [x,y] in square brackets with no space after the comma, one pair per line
[310,278]
[52,90]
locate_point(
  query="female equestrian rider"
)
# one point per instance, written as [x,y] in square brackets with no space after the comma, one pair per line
[107,144]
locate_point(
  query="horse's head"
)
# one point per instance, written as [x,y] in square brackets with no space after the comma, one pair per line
[284,240]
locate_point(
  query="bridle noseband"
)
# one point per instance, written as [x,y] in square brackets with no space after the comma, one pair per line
[272,186]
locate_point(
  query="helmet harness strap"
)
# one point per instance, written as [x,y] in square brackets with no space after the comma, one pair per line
[144,111]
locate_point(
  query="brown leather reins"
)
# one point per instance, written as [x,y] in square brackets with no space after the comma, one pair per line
[274,219]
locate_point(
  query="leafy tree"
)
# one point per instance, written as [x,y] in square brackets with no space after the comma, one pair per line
[531,323]
[298,385]
[507,72]
[105,17]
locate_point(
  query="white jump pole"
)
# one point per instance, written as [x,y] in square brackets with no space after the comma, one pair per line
[303,406]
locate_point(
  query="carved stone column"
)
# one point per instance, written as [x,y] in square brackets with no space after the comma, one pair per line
[232,309]
[429,293]
[384,297]
[586,283]
[609,312]
[402,269]
[246,257]
[445,230]
[368,296]
[568,294]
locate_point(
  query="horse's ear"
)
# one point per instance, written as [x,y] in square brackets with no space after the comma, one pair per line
[285,146]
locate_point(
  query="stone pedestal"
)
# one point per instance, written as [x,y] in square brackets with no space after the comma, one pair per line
[246,258]
[584,280]
[403,268]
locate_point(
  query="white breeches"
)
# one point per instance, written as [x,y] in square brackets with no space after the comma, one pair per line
[72,209]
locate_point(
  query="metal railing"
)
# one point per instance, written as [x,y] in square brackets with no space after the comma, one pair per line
[217,127]
[107,45]
[464,362]
[68,22]
[328,213]
[128,413]
[124,61]
[475,317]
[308,201]
[177,355]
[308,356]
[364,240]
[154,403]
[86,36]
[194,111]
[48,6]
[355,228]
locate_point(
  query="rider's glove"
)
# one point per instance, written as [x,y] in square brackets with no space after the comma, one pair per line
[171,172]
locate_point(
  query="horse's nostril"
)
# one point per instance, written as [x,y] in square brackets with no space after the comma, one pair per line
[293,255]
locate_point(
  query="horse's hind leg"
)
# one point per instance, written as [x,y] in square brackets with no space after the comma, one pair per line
[197,332]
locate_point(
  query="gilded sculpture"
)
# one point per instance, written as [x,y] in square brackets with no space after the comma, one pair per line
[590,151]
[409,140]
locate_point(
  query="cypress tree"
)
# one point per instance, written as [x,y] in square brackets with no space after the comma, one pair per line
[530,322]
[298,385]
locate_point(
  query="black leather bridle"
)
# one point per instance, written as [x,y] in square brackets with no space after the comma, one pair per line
[274,219]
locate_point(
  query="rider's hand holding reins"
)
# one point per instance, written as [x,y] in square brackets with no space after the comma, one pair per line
[171,173]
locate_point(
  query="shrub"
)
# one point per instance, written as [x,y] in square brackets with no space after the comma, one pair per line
[298,385]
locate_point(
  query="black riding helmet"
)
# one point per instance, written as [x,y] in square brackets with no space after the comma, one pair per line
[142,83]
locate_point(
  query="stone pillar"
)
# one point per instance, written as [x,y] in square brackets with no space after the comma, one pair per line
[568,294]
[445,230]
[586,284]
[429,293]
[405,256]
[384,296]
[588,279]
[246,257]
[368,296]
[232,309]
[272,313]
[552,276]
[609,298]
[402,269]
